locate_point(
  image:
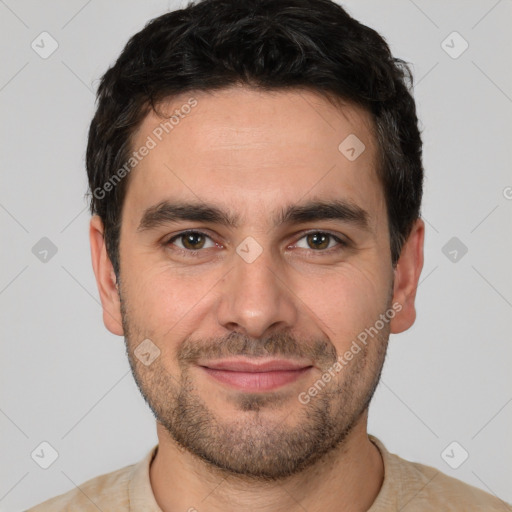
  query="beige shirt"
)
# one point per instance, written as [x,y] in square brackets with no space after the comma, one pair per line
[407,487]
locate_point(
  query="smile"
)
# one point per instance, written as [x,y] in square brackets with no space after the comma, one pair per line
[256,374]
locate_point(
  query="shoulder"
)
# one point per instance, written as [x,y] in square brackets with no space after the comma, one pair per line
[103,492]
[439,491]
[414,486]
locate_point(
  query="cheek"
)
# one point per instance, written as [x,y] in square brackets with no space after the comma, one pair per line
[164,300]
[350,301]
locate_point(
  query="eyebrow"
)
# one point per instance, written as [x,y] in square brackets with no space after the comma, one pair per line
[174,211]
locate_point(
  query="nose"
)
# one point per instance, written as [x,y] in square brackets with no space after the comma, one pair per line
[256,298]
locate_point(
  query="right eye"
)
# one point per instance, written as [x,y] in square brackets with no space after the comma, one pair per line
[191,241]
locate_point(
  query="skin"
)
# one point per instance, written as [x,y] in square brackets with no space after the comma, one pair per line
[253,153]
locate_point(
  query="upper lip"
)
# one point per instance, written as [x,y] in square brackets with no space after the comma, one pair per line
[255,365]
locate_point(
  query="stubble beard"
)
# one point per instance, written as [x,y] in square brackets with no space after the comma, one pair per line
[256,446]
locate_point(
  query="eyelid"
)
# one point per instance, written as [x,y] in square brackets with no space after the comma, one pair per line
[341,240]
[169,240]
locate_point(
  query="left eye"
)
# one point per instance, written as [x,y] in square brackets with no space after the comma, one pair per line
[192,240]
[318,240]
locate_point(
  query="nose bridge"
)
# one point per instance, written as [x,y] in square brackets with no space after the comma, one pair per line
[255,297]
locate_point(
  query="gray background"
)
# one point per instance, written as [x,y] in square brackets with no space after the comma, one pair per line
[65,379]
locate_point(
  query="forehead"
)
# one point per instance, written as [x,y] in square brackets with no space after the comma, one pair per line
[255,150]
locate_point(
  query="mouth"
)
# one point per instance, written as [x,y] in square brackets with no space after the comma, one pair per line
[255,375]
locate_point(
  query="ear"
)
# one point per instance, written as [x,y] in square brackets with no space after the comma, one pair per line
[105,278]
[407,274]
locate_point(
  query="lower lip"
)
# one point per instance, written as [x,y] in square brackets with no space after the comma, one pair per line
[256,381]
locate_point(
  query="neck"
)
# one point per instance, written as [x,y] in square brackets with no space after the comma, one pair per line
[348,478]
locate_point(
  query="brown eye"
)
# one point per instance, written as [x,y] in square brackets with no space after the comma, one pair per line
[318,240]
[191,241]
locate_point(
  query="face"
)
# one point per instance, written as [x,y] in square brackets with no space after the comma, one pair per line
[254,254]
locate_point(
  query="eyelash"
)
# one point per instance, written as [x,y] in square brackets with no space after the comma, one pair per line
[342,244]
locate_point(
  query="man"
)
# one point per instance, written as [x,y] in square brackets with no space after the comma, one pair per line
[256,181]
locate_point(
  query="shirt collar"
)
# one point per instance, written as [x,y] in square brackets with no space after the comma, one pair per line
[140,491]
[142,498]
